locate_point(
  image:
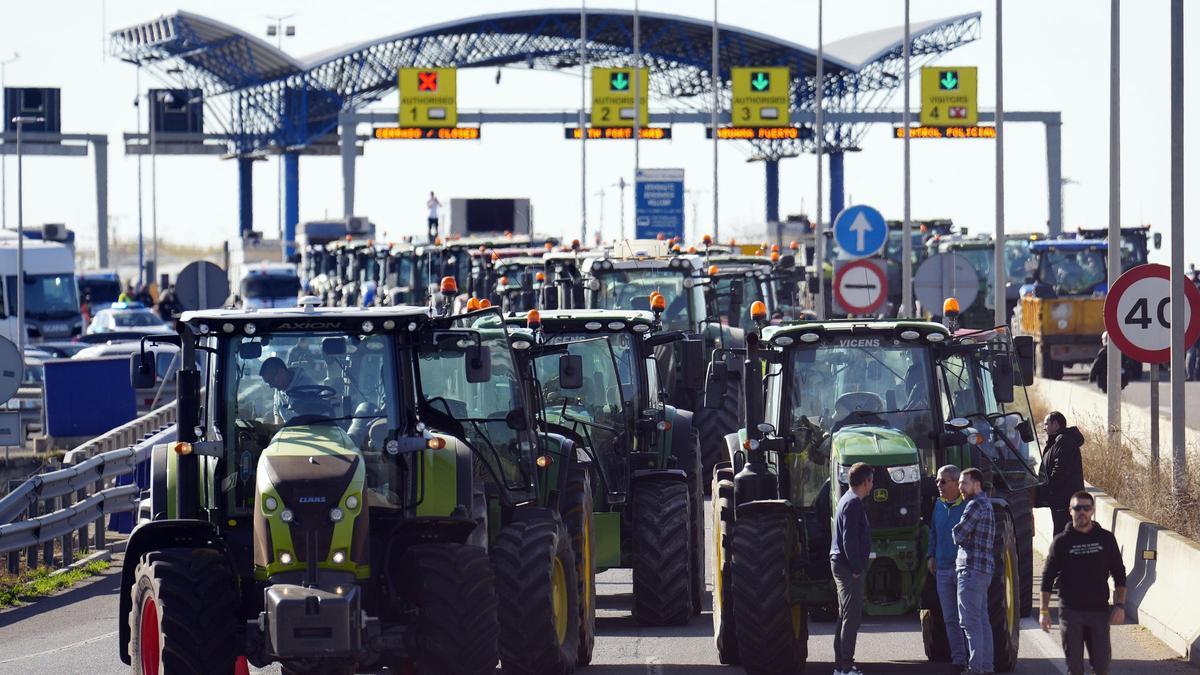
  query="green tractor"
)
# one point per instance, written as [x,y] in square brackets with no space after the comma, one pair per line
[906,397]
[644,454]
[602,280]
[353,487]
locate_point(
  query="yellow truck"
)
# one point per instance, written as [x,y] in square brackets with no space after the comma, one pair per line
[1062,302]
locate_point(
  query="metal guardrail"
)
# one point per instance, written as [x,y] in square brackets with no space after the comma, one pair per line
[58,506]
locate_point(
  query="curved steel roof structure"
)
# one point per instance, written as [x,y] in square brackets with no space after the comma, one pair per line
[266,98]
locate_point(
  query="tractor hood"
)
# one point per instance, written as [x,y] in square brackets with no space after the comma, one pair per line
[875,445]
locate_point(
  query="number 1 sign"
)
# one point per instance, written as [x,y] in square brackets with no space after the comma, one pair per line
[1137,313]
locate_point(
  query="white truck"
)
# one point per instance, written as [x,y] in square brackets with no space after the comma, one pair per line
[51,292]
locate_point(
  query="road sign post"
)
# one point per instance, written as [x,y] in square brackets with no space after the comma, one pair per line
[760,97]
[659,203]
[428,97]
[613,98]
[860,231]
[949,96]
[860,286]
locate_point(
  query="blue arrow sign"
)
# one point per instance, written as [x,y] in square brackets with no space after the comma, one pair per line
[860,231]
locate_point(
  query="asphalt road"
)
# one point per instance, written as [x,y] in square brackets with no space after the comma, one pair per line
[75,632]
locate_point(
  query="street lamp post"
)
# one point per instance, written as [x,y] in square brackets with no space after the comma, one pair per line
[277,30]
[4,158]
[20,122]
[160,97]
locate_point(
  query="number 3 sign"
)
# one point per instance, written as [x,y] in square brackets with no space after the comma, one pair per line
[1137,313]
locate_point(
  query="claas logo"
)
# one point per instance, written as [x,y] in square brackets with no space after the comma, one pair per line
[427,81]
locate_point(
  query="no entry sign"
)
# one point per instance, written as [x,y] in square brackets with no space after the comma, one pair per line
[1137,313]
[860,287]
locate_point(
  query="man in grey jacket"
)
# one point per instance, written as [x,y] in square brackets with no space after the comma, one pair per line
[848,556]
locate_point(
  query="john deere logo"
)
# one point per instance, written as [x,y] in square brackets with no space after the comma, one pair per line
[880,495]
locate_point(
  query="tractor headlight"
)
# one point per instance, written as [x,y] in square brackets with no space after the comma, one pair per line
[285,558]
[287,516]
[270,504]
[905,474]
[336,515]
[352,502]
[339,557]
[843,474]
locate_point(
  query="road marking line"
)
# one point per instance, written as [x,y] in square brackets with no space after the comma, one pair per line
[654,665]
[62,648]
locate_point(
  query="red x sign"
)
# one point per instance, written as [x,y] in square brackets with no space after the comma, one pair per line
[427,81]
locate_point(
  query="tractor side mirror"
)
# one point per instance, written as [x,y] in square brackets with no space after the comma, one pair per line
[814,284]
[142,371]
[1002,379]
[1157,240]
[1023,351]
[787,262]
[693,362]
[515,419]
[478,364]
[333,346]
[1025,429]
[570,371]
[714,387]
[250,351]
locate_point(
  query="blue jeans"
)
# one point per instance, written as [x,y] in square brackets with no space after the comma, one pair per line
[973,617]
[947,589]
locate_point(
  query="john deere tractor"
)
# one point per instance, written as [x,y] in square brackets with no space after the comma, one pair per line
[352,487]
[647,485]
[905,397]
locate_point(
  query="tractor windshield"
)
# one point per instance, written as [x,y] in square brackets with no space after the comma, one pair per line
[1073,271]
[631,288]
[753,289]
[1016,255]
[470,389]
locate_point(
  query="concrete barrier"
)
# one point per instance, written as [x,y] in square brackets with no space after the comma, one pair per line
[1162,568]
[1087,407]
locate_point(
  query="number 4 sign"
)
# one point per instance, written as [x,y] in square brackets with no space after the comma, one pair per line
[1137,313]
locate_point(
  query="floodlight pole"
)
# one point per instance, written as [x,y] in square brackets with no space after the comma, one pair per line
[637,106]
[819,228]
[582,126]
[1114,222]
[141,241]
[1178,345]
[716,105]
[20,123]
[906,302]
[999,294]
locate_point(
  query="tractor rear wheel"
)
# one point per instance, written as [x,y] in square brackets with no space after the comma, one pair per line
[538,598]
[577,515]
[1004,597]
[715,423]
[454,590]
[661,553]
[772,631]
[184,617]
[724,624]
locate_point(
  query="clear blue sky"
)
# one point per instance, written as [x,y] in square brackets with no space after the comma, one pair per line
[1056,59]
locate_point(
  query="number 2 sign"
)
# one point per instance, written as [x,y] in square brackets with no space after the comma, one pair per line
[1137,313]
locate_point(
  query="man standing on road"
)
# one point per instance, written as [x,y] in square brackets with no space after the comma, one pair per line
[433,204]
[1081,559]
[1062,468]
[848,555]
[975,535]
[943,552]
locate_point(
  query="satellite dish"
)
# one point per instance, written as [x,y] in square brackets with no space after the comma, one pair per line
[201,285]
[12,369]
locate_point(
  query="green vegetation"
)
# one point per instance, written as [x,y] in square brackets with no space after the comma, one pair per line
[42,581]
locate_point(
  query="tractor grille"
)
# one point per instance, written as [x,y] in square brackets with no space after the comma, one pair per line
[885,513]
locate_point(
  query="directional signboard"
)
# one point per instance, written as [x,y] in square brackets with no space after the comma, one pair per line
[659,203]
[860,286]
[761,97]
[612,97]
[949,96]
[945,275]
[1137,313]
[860,231]
[428,97]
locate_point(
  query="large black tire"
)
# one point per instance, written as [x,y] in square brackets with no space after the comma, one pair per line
[538,602]
[661,553]
[576,507]
[1047,367]
[714,424]
[933,634]
[772,632]
[724,621]
[454,590]
[188,598]
[696,529]
[1003,597]
[1020,505]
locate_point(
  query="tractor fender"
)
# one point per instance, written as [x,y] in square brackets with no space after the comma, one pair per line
[671,474]
[765,506]
[683,446]
[153,536]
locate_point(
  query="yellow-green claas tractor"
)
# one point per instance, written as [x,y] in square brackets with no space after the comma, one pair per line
[350,488]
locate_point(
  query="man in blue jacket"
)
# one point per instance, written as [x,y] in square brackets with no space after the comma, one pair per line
[947,511]
[848,556]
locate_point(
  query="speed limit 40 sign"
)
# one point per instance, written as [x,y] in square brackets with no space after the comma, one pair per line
[1137,313]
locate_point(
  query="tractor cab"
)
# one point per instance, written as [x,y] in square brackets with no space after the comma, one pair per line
[1135,243]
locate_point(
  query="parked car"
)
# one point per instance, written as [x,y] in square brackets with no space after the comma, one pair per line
[132,317]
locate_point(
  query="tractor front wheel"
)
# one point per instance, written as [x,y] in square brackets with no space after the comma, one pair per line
[661,553]
[455,593]
[772,630]
[1004,594]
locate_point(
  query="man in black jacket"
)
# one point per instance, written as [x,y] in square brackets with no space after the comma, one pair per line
[1062,468]
[1081,559]
[849,556]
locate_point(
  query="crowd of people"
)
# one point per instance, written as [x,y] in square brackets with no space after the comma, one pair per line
[960,557]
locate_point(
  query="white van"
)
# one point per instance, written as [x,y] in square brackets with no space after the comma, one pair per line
[51,293]
[265,285]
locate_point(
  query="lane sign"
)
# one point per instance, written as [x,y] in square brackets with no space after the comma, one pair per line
[860,231]
[949,96]
[1137,313]
[946,275]
[612,97]
[761,97]
[428,97]
[860,286]
[658,203]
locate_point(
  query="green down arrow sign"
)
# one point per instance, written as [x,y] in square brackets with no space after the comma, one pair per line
[761,81]
[949,80]
[619,81]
